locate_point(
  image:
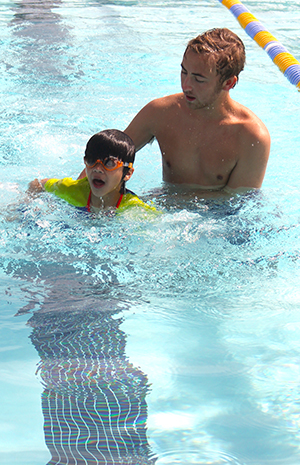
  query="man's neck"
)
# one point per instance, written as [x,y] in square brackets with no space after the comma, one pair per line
[217,110]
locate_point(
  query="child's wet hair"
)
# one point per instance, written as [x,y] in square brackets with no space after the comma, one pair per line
[110,143]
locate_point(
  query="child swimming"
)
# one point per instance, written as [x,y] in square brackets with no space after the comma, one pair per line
[109,158]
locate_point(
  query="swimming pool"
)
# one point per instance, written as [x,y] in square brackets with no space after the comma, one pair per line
[170,341]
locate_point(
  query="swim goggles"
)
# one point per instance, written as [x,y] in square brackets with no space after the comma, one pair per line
[109,163]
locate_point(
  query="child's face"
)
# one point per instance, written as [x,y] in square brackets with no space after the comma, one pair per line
[105,185]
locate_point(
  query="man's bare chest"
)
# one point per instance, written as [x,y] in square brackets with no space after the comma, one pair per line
[198,154]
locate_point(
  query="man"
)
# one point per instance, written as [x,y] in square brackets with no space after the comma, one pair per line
[207,140]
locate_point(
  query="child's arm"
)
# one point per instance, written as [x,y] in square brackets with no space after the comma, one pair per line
[36,186]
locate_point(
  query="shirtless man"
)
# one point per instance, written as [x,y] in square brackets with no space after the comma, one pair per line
[207,140]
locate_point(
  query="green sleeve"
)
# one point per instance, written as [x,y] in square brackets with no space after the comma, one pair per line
[131,200]
[75,192]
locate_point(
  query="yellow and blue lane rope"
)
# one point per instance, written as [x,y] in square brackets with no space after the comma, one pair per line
[286,62]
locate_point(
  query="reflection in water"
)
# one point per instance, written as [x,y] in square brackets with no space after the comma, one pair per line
[33,11]
[41,49]
[94,399]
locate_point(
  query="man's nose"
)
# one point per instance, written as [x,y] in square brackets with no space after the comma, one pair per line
[186,83]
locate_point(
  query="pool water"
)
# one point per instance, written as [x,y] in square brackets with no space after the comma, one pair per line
[168,340]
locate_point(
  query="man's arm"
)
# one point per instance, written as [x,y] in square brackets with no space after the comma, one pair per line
[251,166]
[142,127]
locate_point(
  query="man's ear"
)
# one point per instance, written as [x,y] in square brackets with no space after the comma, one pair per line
[230,83]
[129,174]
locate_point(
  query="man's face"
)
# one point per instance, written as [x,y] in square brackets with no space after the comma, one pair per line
[199,81]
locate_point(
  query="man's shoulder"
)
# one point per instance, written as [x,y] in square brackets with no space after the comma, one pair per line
[157,112]
[254,140]
[249,124]
[152,119]
[168,101]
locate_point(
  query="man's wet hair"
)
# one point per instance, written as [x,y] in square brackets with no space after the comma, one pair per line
[224,49]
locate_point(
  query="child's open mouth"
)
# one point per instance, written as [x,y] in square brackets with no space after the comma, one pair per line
[98,183]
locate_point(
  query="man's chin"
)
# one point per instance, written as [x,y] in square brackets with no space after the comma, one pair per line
[196,105]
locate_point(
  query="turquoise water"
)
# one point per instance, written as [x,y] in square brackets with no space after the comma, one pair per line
[195,313]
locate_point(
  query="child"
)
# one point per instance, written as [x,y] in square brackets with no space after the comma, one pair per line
[108,159]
